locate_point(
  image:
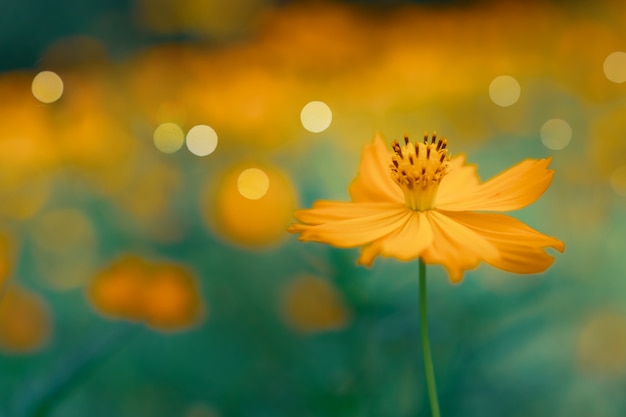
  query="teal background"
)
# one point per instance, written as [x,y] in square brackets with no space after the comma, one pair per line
[546,344]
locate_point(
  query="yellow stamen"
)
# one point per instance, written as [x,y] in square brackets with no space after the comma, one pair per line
[418,168]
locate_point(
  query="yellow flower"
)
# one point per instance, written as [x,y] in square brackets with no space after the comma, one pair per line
[417,201]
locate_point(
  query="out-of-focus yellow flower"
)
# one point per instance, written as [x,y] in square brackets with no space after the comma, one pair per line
[418,201]
[7,253]
[250,221]
[25,324]
[164,296]
[90,128]
[310,304]
[171,300]
[28,147]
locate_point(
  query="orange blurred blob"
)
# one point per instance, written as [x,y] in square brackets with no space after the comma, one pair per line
[164,296]
[601,347]
[171,300]
[156,79]
[7,255]
[116,290]
[26,143]
[89,124]
[251,222]
[25,322]
[311,304]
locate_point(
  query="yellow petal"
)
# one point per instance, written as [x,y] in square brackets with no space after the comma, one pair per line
[455,246]
[461,179]
[521,248]
[373,182]
[354,231]
[514,188]
[325,211]
[406,243]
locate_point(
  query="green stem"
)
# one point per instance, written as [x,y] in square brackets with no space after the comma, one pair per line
[428,360]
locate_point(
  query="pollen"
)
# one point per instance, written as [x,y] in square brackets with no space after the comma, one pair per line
[418,169]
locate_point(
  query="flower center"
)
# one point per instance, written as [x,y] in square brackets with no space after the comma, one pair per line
[418,168]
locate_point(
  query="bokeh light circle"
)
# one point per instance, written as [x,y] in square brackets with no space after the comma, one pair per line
[504,90]
[201,140]
[168,137]
[316,116]
[247,222]
[615,67]
[618,181]
[47,87]
[253,183]
[556,134]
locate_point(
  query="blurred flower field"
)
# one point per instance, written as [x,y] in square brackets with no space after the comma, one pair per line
[153,155]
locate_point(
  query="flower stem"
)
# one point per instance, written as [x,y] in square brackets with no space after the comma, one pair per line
[428,360]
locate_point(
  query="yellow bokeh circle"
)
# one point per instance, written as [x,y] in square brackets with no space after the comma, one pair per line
[316,116]
[245,221]
[504,90]
[556,134]
[201,140]
[253,183]
[47,87]
[615,67]
[168,137]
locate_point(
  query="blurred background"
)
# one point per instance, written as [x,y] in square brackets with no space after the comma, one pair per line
[152,153]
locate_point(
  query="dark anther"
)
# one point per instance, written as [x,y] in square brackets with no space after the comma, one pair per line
[445,143]
[427,152]
[439,144]
[406,139]
[425,138]
[423,171]
[404,173]
[395,163]
[396,147]
[443,156]
[411,159]
[434,137]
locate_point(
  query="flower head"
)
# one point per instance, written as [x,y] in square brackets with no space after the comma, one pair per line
[416,201]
